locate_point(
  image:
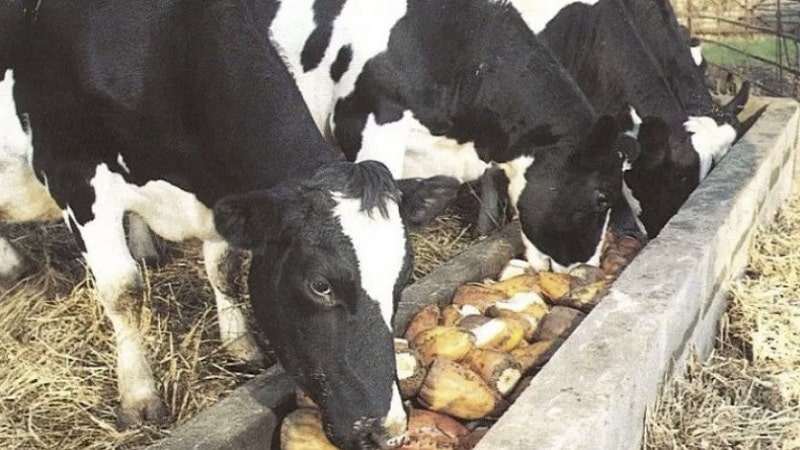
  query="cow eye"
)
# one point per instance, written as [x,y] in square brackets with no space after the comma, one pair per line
[320,287]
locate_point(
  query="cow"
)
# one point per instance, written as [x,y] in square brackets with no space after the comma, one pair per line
[601,48]
[181,112]
[450,87]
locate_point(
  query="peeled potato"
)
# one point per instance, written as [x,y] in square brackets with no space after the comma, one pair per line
[555,285]
[586,297]
[445,342]
[501,333]
[497,368]
[532,355]
[302,430]
[452,314]
[522,283]
[410,369]
[428,430]
[456,390]
[427,317]
[515,267]
[477,295]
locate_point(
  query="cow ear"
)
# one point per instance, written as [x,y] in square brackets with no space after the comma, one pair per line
[249,220]
[653,142]
[736,105]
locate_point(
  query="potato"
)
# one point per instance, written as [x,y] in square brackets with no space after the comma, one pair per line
[522,283]
[586,297]
[477,295]
[532,355]
[302,430]
[501,333]
[410,369]
[453,389]
[303,400]
[555,285]
[446,342]
[588,273]
[428,430]
[452,314]
[497,368]
[427,317]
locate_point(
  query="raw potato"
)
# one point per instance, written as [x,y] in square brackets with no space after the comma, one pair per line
[451,314]
[453,389]
[446,342]
[427,317]
[514,268]
[532,323]
[428,430]
[497,368]
[471,322]
[555,285]
[469,441]
[533,355]
[477,295]
[588,273]
[302,430]
[501,333]
[410,369]
[586,297]
[520,283]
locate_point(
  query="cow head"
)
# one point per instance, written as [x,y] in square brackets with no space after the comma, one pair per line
[330,256]
[563,196]
[663,176]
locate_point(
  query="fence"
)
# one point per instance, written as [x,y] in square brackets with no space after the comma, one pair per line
[757,40]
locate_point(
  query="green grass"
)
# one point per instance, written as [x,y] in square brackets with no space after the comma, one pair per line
[763,46]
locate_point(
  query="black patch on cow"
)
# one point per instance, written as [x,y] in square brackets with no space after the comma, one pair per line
[342,63]
[325,12]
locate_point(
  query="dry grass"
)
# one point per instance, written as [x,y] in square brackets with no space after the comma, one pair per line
[747,394]
[57,379]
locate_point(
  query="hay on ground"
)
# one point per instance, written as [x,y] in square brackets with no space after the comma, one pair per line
[747,394]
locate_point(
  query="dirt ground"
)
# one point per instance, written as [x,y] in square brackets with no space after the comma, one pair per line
[747,394]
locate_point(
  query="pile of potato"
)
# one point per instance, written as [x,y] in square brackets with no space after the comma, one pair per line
[459,367]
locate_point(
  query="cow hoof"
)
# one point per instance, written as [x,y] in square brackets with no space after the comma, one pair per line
[147,410]
[246,350]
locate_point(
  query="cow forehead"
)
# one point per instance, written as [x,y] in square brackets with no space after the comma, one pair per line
[379,243]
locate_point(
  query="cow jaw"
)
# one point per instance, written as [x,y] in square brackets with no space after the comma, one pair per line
[710,140]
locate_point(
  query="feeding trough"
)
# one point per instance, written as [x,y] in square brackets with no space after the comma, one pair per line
[595,390]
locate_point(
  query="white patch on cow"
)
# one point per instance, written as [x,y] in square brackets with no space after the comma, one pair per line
[22,197]
[710,140]
[294,22]
[635,205]
[428,156]
[540,261]
[537,13]
[697,54]
[170,212]
[121,162]
[637,123]
[515,172]
[386,143]
[396,422]
[380,247]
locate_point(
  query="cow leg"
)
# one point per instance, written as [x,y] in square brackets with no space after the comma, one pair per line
[119,287]
[489,211]
[223,266]
[140,241]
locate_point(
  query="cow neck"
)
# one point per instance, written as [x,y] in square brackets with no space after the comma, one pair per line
[613,80]
[527,94]
[658,28]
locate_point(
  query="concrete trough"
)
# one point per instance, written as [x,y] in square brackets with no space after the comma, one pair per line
[594,392]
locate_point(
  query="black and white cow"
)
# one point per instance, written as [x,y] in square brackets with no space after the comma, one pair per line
[181,112]
[600,46]
[449,87]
